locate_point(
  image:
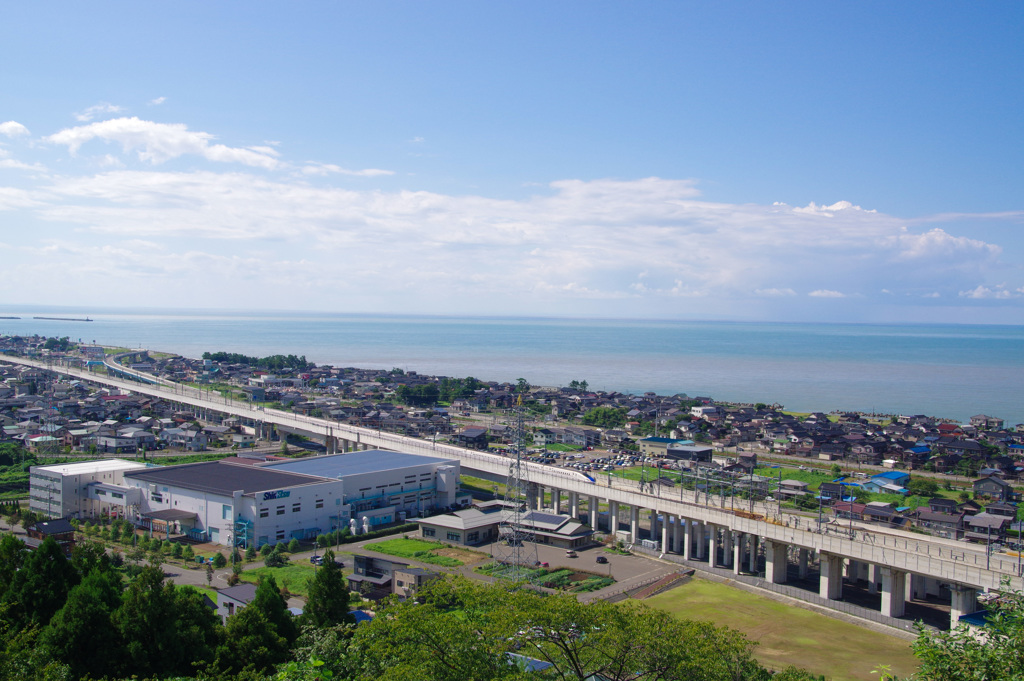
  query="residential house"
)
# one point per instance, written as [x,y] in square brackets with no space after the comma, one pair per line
[994,487]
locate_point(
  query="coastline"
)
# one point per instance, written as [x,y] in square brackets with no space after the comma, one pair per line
[954,371]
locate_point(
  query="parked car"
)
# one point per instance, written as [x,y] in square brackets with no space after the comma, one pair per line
[570,554]
[602,559]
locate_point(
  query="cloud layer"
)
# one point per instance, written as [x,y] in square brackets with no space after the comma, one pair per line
[251,228]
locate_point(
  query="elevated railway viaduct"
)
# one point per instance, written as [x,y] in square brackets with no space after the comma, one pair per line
[897,564]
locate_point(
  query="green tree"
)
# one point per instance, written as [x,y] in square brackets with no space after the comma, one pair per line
[605,417]
[460,630]
[12,557]
[924,487]
[251,642]
[327,603]
[294,546]
[41,586]
[166,630]
[836,470]
[80,634]
[961,654]
[270,602]
[219,560]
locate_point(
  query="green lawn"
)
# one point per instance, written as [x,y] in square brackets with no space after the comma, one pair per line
[789,635]
[424,551]
[294,576]
[563,448]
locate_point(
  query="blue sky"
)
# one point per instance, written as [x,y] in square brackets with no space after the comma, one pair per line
[743,160]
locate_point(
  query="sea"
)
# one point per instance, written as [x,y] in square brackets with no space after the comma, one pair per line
[945,370]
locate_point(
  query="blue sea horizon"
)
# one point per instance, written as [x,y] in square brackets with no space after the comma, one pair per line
[946,370]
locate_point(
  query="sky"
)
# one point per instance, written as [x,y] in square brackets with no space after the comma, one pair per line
[788,161]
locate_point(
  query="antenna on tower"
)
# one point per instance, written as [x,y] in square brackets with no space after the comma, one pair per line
[516,552]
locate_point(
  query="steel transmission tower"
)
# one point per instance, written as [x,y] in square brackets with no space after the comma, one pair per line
[516,552]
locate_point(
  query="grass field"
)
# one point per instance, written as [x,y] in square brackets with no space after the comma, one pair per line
[295,576]
[426,551]
[789,635]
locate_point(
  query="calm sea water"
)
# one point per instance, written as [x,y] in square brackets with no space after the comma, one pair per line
[943,370]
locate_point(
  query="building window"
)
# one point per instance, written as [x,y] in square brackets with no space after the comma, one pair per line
[319,503]
[264,512]
[225,512]
[428,532]
[473,536]
[157,497]
[280,510]
[296,508]
[453,536]
[280,535]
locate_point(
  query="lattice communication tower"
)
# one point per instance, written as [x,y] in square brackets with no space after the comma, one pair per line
[516,551]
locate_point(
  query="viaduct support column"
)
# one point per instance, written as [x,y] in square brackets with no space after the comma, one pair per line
[702,539]
[634,524]
[915,586]
[727,547]
[965,601]
[738,540]
[874,577]
[775,561]
[830,583]
[677,535]
[574,505]
[531,496]
[752,556]
[687,538]
[556,500]
[654,525]
[894,603]
[802,569]
[592,515]
[664,534]
[613,517]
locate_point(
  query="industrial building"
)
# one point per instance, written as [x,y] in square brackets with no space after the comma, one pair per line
[85,489]
[239,503]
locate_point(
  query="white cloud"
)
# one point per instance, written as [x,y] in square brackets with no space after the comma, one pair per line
[18,165]
[983,292]
[647,246]
[314,168]
[13,129]
[775,292]
[159,142]
[157,102]
[101,108]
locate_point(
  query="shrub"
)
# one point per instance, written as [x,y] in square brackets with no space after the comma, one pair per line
[266,550]
[219,560]
[294,546]
[178,550]
[188,553]
[250,554]
[276,559]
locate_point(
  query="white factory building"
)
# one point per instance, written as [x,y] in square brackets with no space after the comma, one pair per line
[85,489]
[247,502]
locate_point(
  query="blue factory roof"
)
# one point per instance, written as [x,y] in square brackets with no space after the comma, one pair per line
[354,463]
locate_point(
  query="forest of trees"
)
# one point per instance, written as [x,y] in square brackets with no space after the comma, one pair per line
[64,619]
[271,363]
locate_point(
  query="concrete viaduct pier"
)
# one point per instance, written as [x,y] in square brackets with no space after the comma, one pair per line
[682,525]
